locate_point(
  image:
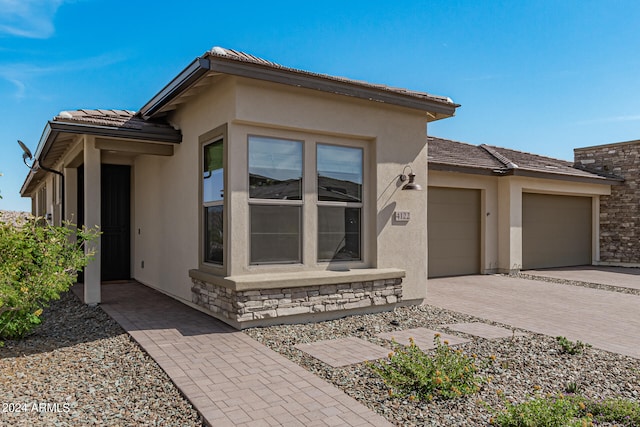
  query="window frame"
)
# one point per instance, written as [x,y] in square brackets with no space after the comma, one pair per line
[332,203]
[213,136]
[277,202]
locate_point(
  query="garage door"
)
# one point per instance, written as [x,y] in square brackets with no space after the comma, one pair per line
[556,231]
[453,222]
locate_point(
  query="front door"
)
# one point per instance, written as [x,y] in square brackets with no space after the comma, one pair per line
[115,222]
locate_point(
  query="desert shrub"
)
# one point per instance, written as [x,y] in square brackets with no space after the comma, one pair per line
[445,374]
[37,263]
[573,410]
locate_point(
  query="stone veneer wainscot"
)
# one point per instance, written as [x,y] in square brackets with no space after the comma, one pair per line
[619,212]
[270,305]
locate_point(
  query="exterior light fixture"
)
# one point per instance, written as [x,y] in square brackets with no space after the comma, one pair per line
[411,185]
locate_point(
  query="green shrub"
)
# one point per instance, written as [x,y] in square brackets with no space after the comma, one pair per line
[622,412]
[37,263]
[446,374]
[569,347]
[549,411]
[560,411]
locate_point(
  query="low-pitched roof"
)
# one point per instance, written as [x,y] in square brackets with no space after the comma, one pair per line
[124,124]
[449,155]
[220,60]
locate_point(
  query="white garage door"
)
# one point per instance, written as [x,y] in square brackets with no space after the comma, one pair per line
[556,231]
[453,227]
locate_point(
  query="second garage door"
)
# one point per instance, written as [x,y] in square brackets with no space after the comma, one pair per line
[556,231]
[453,227]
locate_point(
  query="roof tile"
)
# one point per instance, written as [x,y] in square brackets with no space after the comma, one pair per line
[453,153]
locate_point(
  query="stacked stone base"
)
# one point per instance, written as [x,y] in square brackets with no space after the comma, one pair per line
[260,304]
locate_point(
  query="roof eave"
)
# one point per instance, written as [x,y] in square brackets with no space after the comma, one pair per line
[447,167]
[168,135]
[191,74]
[596,179]
[341,87]
[220,64]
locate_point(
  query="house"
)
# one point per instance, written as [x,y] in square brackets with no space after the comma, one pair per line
[255,192]
[620,211]
[495,210]
[263,194]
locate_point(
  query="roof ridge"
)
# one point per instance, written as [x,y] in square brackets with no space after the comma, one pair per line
[501,158]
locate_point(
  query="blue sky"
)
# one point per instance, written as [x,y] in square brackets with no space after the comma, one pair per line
[537,76]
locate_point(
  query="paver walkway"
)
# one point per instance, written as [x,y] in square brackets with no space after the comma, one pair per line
[605,319]
[231,379]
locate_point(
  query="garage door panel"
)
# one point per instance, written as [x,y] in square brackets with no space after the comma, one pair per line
[453,222]
[556,230]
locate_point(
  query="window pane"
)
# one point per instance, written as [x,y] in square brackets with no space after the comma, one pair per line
[275,234]
[339,173]
[213,248]
[275,168]
[338,233]
[213,176]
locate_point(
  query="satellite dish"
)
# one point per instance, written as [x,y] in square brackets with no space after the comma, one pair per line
[27,153]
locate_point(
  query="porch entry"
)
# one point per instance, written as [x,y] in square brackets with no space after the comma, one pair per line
[115,221]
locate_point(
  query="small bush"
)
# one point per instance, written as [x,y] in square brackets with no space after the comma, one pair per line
[446,374]
[560,411]
[37,263]
[550,411]
[620,411]
[569,347]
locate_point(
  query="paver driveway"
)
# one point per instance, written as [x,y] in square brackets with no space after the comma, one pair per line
[624,277]
[605,319]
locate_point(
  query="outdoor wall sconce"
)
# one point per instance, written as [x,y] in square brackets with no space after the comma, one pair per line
[411,185]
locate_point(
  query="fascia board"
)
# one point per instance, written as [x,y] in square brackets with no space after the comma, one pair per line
[173,136]
[291,78]
[192,73]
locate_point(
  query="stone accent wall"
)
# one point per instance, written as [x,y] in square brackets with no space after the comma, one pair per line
[620,212]
[250,305]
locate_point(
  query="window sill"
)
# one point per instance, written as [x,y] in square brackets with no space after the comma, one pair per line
[296,279]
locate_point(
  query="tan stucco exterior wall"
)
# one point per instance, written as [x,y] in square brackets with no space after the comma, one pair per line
[166,203]
[167,200]
[391,136]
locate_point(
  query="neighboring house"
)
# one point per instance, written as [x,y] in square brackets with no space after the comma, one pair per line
[492,209]
[256,192]
[619,212]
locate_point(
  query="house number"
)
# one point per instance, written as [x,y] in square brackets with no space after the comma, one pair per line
[403,215]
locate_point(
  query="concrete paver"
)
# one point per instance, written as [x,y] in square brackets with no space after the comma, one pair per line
[422,337]
[230,378]
[605,319]
[343,351]
[624,277]
[483,330]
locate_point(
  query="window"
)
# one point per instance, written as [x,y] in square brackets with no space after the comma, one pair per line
[213,201]
[339,202]
[275,197]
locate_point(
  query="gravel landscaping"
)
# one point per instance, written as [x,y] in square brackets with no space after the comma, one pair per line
[81,368]
[524,366]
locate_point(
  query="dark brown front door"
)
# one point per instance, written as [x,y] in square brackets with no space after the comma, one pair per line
[115,222]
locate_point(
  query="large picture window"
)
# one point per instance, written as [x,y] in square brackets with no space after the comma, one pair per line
[275,197]
[340,176]
[213,201]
